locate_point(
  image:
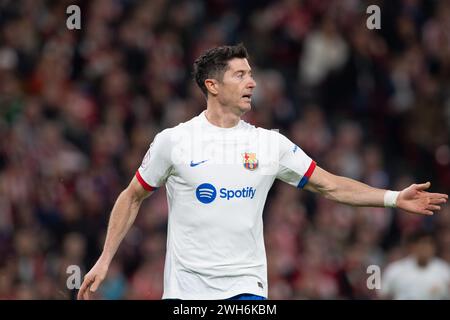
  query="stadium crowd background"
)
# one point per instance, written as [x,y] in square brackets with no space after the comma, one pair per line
[79,108]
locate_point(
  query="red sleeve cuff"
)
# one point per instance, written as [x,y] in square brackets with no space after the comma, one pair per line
[144,184]
[307,175]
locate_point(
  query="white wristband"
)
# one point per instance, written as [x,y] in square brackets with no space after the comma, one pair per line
[390,198]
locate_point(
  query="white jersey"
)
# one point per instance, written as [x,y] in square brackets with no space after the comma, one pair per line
[405,280]
[217,180]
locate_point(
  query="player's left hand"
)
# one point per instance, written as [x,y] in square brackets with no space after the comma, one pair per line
[415,199]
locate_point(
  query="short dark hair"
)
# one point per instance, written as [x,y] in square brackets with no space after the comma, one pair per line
[420,235]
[214,62]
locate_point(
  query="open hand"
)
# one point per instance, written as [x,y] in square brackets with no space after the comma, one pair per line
[92,280]
[415,199]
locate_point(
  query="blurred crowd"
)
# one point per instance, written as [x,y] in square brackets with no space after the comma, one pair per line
[78,109]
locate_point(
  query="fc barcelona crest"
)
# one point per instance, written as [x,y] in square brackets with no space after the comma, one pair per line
[249,160]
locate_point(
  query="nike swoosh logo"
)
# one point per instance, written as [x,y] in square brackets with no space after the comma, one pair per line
[197,163]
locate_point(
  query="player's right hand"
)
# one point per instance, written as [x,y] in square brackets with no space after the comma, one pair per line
[92,280]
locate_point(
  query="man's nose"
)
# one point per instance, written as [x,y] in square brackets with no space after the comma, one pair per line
[251,83]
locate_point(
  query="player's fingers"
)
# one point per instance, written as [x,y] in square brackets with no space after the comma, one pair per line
[95,285]
[86,295]
[423,186]
[87,292]
[435,195]
[440,195]
[433,207]
[84,286]
[427,212]
[80,294]
[437,200]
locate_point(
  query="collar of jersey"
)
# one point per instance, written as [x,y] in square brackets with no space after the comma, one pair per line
[214,127]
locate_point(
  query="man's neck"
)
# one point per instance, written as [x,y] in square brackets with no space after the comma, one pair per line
[422,263]
[221,117]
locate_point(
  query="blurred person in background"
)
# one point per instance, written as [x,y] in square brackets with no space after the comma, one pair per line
[421,275]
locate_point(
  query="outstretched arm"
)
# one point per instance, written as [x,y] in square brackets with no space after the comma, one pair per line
[413,199]
[122,217]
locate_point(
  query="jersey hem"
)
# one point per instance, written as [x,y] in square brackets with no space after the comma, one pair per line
[218,296]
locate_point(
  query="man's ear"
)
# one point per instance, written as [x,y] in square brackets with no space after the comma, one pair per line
[212,86]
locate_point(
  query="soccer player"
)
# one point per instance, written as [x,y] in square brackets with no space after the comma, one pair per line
[419,276]
[217,170]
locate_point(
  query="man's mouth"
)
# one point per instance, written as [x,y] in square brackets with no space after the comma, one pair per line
[247,96]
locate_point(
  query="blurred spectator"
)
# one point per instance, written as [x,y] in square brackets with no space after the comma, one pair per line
[420,275]
[324,51]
